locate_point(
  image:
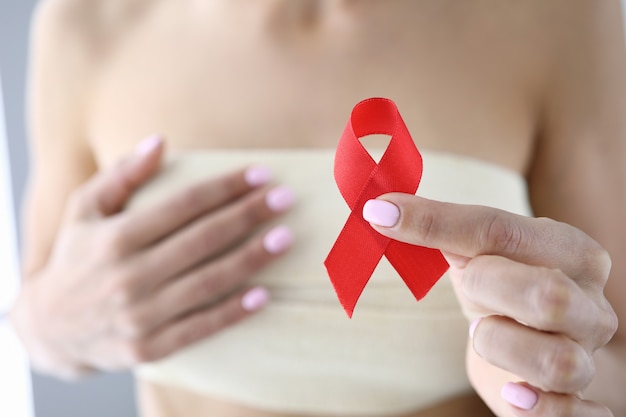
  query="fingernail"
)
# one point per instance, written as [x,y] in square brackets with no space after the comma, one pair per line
[254,299]
[148,145]
[381,213]
[519,396]
[278,239]
[473,326]
[280,199]
[257,175]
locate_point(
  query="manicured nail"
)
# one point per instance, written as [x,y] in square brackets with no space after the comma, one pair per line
[148,145]
[473,326]
[381,213]
[254,299]
[280,199]
[519,396]
[278,239]
[258,175]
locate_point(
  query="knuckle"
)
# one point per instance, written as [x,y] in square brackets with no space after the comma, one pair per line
[251,213]
[566,368]
[613,325]
[227,273]
[608,326]
[554,300]
[501,234]
[138,351]
[597,260]
[204,242]
[424,223]
[191,200]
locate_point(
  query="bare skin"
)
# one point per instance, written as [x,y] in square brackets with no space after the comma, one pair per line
[534,86]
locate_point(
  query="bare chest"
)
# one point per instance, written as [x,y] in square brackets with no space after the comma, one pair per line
[247,76]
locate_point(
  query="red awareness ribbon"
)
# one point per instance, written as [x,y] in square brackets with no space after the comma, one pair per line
[359,247]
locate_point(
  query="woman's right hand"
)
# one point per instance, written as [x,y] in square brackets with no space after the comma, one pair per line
[125,287]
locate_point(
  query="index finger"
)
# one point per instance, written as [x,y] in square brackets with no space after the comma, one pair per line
[107,192]
[150,224]
[470,231]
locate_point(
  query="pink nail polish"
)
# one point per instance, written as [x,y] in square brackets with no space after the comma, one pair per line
[280,199]
[473,326]
[278,240]
[254,299]
[148,145]
[381,213]
[519,396]
[257,175]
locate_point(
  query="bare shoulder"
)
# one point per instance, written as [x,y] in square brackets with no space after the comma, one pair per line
[588,67]
[70,40]
[584,97]
[573,24]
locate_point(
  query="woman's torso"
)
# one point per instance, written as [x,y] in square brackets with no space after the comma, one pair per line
[238,74]
[301,354]
[285,73]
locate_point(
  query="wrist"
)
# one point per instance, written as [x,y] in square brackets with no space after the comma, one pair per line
[45,353]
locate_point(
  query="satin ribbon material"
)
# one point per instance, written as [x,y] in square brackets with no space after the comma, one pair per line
[359,248]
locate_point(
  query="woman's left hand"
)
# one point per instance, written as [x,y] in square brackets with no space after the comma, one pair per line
[534,288]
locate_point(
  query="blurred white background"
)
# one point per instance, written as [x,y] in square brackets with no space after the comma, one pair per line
[15,384]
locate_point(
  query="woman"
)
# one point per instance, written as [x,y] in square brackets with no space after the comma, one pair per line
[491,91]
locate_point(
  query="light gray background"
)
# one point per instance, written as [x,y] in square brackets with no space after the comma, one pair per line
[102,396]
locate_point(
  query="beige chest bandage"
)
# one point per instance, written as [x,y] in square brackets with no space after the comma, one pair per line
[301,354]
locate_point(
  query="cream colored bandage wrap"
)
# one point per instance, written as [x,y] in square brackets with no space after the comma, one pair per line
[301,354]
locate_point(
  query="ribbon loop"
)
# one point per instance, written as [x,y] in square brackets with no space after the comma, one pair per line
[359,248]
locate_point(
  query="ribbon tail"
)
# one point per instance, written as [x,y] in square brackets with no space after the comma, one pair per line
[419,267]
[353,259]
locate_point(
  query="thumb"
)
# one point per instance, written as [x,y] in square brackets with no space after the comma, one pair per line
[108,191]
